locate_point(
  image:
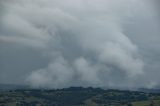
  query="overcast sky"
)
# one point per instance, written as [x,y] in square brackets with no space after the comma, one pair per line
[63,43]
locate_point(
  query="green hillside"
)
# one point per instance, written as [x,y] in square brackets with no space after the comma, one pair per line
[77,96]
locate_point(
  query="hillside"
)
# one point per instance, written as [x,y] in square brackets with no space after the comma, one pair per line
[78,96]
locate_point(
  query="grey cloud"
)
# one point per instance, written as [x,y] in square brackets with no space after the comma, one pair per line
[98,43]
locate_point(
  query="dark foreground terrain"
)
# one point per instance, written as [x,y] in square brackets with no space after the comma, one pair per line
[77,96]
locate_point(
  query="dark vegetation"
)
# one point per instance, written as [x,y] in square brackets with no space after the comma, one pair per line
[78,96]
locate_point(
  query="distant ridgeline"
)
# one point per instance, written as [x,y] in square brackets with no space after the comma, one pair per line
[149,90]
[78,96]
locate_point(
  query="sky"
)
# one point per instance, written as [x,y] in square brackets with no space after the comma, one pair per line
[63,43]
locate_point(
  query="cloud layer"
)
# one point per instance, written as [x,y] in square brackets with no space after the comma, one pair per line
[74,43]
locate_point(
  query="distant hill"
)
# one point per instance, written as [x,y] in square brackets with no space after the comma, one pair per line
[149,90]
[77,96]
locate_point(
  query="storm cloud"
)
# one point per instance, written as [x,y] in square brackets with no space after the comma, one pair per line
[99,43]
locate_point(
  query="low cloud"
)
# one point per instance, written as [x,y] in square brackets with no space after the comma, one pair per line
[85,42]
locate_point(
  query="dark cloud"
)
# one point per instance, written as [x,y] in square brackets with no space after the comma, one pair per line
[58,44]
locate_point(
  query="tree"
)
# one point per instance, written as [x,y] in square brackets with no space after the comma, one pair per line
[129,104]
[152,103]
